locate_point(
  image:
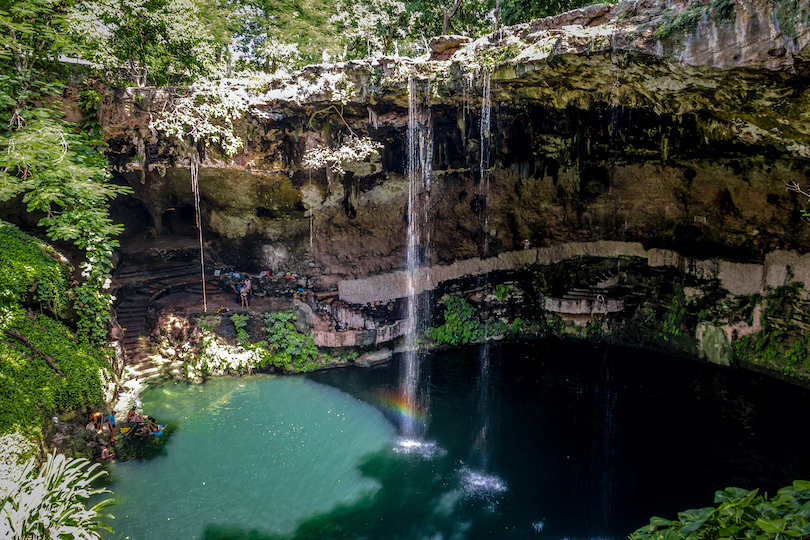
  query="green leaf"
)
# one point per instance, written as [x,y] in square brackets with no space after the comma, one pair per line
[772,526]
[694,519]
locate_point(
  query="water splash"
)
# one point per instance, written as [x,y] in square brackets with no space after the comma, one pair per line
[480,484]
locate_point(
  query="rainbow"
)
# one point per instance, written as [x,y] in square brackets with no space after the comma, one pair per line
[404,407]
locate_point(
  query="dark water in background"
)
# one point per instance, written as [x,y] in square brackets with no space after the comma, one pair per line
[583,441]
[593,440]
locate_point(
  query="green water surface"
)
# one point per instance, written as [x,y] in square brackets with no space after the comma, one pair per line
[265,455]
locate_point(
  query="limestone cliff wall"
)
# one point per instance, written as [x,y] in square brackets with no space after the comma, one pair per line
[669,124]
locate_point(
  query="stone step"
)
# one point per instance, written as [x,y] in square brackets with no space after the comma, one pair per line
[147,272]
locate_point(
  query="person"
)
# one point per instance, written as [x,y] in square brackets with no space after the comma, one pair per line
[243,296]
[156,430]
[106,454]
[97,419]
[132,416]
[238,290]
[111,424]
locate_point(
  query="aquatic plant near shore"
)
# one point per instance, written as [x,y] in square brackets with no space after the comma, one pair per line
[285,349]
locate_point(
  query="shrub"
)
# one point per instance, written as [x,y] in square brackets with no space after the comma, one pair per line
[461,326]
[740,514]
[51,504]
[31,271]
[287,346]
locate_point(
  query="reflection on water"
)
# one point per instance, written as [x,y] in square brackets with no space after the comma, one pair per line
[587,442]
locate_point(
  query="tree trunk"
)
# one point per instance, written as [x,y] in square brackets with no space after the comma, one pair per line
[447,15]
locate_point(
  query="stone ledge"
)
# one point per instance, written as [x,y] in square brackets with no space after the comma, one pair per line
[738,278]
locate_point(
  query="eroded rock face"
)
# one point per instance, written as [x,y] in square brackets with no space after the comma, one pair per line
[642,121]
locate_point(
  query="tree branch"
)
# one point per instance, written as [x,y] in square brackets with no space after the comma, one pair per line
[24,340]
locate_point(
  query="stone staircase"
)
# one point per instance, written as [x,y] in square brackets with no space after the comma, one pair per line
[591,300]
[140,284]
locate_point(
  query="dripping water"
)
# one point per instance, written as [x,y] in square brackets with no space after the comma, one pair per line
[485,399]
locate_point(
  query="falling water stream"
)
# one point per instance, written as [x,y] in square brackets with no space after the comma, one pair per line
[414,396]
[482,442]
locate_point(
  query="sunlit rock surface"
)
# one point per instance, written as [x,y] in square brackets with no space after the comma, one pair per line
[643,121]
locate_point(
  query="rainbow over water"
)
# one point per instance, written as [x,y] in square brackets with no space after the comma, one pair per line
[411,417]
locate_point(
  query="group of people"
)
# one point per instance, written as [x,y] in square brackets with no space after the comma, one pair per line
[144,426]
[243,289]
[101,424]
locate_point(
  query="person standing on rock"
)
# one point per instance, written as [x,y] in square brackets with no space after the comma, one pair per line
[111,423]
[237,288]
[243,295]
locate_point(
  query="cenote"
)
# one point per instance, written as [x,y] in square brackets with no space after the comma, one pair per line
[581,441]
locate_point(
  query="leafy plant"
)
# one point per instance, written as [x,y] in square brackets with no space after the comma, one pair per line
[497,328]
[672,322]
[501,292]
[240,323]
[50,504]
[682,21]
[555,323]
[740,514]
[287,347]
[461,326]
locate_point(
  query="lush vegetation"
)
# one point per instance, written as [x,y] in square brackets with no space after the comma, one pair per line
[42,367]
[461,325]
[58,169]
[740,514]
[779,345]
[285,348]
[288,347]
[50,502]
[32,272]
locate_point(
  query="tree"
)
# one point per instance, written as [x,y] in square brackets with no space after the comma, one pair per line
[165,41]
[58,170]
[520,11]
[267,28]
[373,26]
[467,17]
[50,504]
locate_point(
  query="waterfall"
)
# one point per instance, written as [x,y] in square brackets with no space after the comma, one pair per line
[414,391]
[484,382]
[480,482]
[486,126]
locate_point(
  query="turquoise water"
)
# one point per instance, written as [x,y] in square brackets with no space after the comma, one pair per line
[560,441]
[263,452]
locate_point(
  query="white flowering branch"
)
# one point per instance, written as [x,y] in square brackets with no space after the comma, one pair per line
[208,113]
[353,150]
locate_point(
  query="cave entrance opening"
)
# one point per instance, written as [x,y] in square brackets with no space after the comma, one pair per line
[180,221]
